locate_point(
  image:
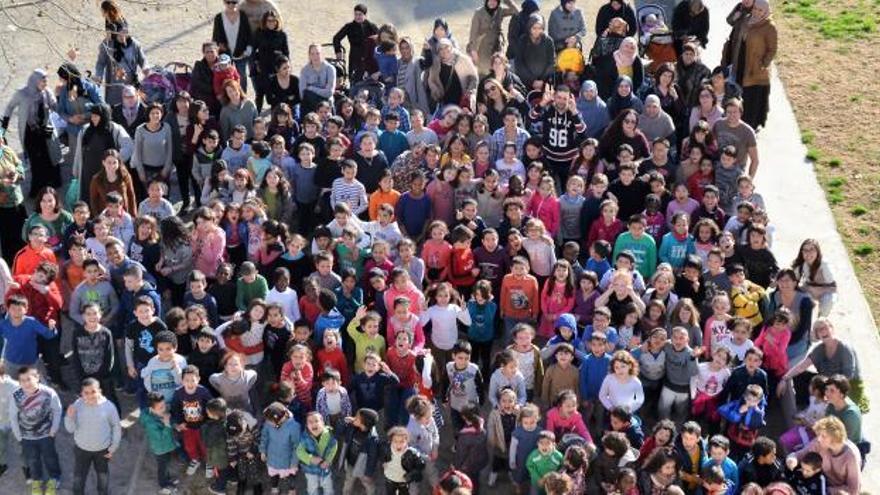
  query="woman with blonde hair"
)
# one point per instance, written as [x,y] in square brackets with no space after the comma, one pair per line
[841,461]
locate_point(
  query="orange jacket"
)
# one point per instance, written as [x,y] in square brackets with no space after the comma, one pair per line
[520,297]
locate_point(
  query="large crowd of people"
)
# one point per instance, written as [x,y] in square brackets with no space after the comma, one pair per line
[552,253]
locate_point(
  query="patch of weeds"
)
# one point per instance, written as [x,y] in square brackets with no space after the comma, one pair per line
[807,137]
[864,230]
[855,98]
[836,182]
[835,197]
[858,211]
[814,87]
[834,163]
[863,249]
[813,154]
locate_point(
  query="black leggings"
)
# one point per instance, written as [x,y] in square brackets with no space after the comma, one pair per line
[185,180]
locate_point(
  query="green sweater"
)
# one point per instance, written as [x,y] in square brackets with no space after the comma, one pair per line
[247,292]
[324,446]
[363,344]
[643,248]
[159,435]
[539,464]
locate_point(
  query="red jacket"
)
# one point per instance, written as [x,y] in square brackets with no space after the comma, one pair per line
[27,260]
[333,359]
[460,265]
[43,307]
[221,76]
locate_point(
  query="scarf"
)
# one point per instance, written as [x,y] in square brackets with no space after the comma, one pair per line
[764,6]
[36,96]
[623,59]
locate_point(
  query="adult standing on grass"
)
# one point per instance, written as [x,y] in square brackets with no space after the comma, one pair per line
[232,33]
[486,37]
[753,66]
[357,31]
[33,103]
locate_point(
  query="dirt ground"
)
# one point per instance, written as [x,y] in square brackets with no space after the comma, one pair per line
[831,82]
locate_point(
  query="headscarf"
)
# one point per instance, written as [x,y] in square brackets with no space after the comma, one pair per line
[594,112]
[491,11]
[529,7]
[624,59]
[35,95]
[696,6]
[72,75]
[764,5]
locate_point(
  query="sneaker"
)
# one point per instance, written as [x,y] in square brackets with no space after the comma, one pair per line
[209,471]
[36,488]
[166,491]
[3,469]
[52,487]
[274,491]
[216,490]
[493,477]
[192,467]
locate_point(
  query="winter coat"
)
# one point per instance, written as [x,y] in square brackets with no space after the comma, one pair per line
[471,454]
[24,101]
[485,37]
[607,12]
[324,447]
[108,67]
[413,462]
[465,71]
[535,60]
[368,455]
[686,24]
[760,51]
[279,443]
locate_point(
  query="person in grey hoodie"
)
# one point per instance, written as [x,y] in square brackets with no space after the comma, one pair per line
[536,54]
[317,81]
[566,25]
[94,423]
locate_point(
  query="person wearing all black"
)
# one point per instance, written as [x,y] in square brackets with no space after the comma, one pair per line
[360,52]
[239,49]
[370,168]
[201,85]
[616,8]
[690,19]
[328,170]
[270,42]
[283,85]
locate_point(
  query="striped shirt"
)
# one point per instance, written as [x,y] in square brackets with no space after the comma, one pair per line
[354,193]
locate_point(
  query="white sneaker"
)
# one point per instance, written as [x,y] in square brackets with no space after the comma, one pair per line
[209,471]
[192,467]
[493,477]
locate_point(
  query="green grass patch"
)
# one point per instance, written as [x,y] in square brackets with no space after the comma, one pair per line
[807,137]
[833,22]
[836,182]
[858,211]
[863,250]
[864,230]
[835,197]
[835,162]
[813,154]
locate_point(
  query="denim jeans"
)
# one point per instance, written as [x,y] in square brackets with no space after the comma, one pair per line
[315,483]
[162,476]
[83,461]
[39,453]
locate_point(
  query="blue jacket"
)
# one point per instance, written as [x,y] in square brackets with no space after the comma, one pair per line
[731,473]
[369,447]
[20,346]
[279,443]
[333,319]
[126,303]
[243,232]
[482,327]
[592,372]
[674,251]
[65,109]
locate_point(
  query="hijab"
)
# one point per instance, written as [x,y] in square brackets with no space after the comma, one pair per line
[623,59]
[72,76]
[490,10]
[529,7]
[764,6]
[594,112]
[36,96]
[103,111]
[696,6]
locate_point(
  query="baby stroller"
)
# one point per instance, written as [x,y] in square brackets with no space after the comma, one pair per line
[370,91]
[656,41]
[341,71]
[164,83]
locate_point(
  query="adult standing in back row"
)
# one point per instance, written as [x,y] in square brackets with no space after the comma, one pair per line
[486,38]
[753,66]
[357,31]
[232,33]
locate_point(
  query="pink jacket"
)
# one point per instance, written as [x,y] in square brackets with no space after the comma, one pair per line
[412,326]
[208,250]
[553,303]
[573,424]
[775,355]
[415,296]
[545,209]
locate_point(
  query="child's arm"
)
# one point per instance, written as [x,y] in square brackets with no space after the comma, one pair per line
[57,413]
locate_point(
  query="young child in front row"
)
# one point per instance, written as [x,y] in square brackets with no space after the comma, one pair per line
[156,421]
[316,451]
[279,439]
[424,435]
[500,426]
[332,400]
[809,479]
[543,460]
[719,450]
[402,465]
[524,440]
[533,375]
[188,414]
[361,451]
[213,432]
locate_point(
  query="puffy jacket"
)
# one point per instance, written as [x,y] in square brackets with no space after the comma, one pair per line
[324,447]
[279,443]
